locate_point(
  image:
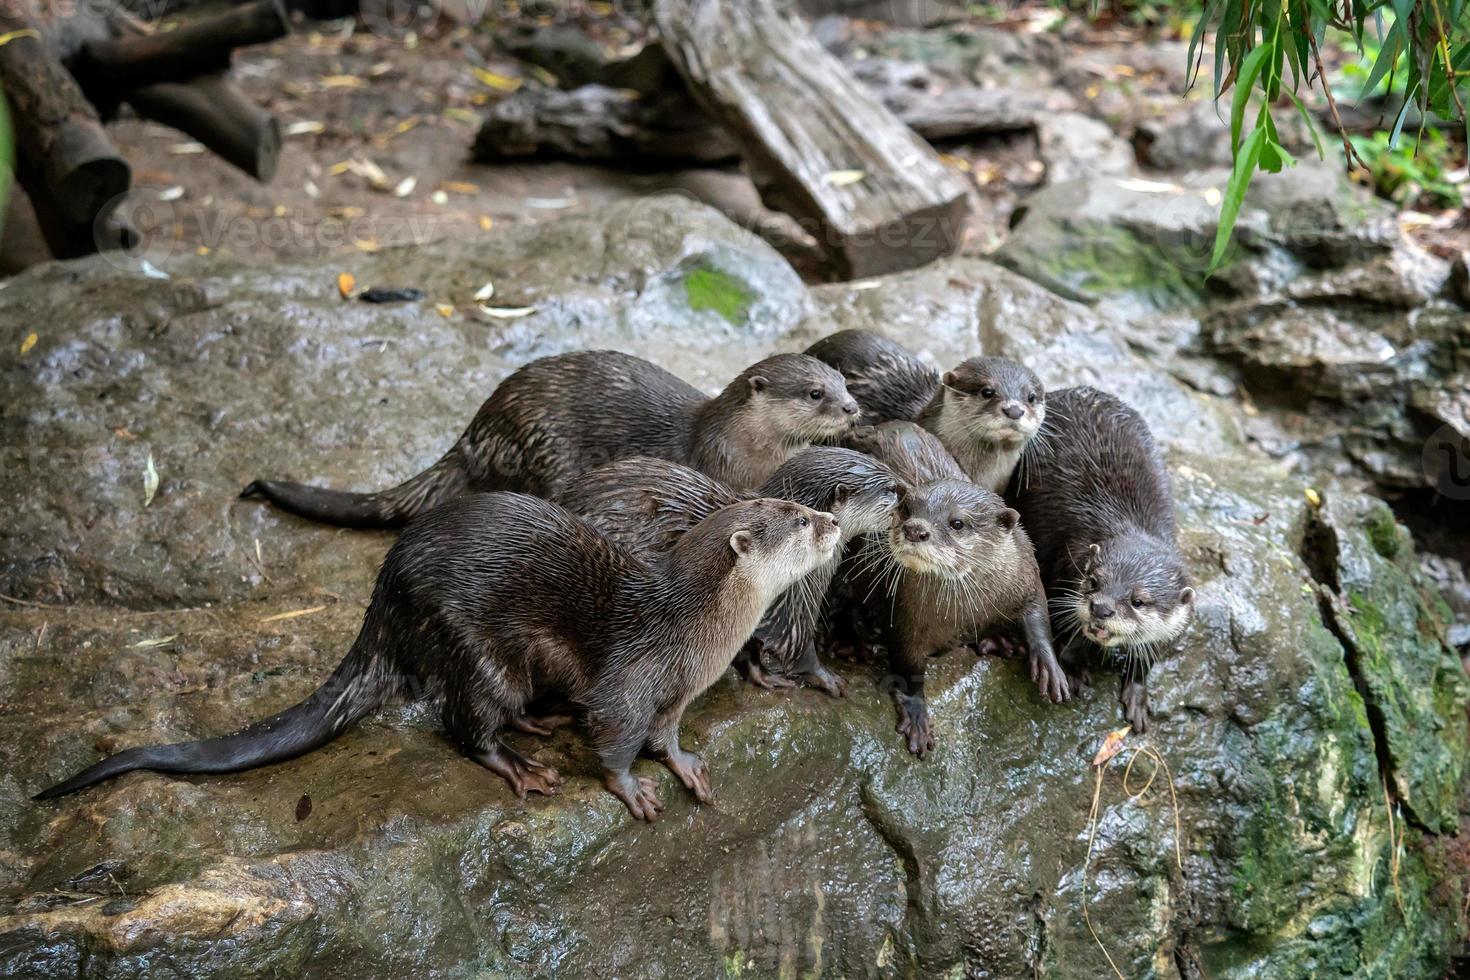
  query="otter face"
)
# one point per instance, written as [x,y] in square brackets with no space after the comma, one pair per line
[992,400]
[778,542]
[867,509]
[951,529]
[1132,593]
[801,398]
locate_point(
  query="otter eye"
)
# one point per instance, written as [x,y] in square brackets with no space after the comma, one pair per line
[1139,602]
[815,394]
[1092,583]
[957,524]
[987,392]
[1031,398]
[802,522]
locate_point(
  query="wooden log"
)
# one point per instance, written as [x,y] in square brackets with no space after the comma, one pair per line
[136,58]
[64,160]
[805,128]
[610,124]
[601,124]
[216,113]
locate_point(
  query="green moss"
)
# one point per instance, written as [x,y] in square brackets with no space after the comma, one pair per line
[711,289]
[1383,532]
[1112,262]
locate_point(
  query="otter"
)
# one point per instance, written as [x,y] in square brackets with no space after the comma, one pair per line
[563,415]
[985,411]
[495,600]
[1096,497]
[650,503]
[959,566]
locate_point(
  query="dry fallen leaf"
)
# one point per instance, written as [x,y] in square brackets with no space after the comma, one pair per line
[507,312]
[122,433]
[1111,746]
[440,198]
[342,81]
[486,223]
[460,187]
[485,292]
[186,149]
[500,83]
[158,641]
[9,36]
[345,282]
[1313,497]
[278,617]
[29,342]
[445,310]
[405,186]
[305,127]
[841,178]
[150,480]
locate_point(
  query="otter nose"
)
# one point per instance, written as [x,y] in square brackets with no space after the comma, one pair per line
[826,522]
[849,407]
[1013,410]
[915,531]
[1102,609]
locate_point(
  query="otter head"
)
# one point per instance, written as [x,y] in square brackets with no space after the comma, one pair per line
[913,452]
[993,401]
[773,543]
[797,398]
[951,528]
[1133,591]
[858,489]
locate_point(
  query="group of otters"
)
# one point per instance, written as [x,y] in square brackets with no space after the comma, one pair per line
[605,540]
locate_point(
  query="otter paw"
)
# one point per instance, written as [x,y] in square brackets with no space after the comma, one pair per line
[539,724]
[913,724]
[997,646]
[693,772]
[1135,708]
[763,678]
[536,778]
[637,794]
[1050,679]
[828,681]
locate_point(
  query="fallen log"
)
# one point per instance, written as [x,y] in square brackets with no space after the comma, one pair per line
[66,68]
[600,123]
[217,114]
[817,144]
[63,159]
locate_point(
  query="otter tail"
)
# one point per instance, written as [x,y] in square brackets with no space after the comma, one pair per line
[360,684]
[385,509]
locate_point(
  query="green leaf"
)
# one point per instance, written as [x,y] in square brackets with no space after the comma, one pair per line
[1398,124]
[1240,179]
[1311,125]
[1250,70]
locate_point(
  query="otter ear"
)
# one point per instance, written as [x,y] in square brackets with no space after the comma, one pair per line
[1007,519]
[840,493]
[758,383]
[1094,552]
[950,379]
[741,542]
[1186,595]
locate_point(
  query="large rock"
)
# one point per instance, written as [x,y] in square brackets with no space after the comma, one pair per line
[829,850]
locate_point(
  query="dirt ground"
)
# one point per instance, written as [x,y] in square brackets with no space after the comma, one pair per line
[378,123]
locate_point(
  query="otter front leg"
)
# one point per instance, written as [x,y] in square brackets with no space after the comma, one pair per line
[1046,673]
[810,670]
[617,742]
[748,663]
[663,745]
[1134,695]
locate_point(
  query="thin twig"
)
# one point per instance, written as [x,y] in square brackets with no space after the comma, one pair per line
[1353,158]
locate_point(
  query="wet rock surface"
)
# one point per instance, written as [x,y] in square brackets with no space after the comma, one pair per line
[1318,671]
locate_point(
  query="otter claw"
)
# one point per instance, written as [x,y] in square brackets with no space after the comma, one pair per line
[692,771]
[913,724]
[637,794]
[763,678]
[827,681]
